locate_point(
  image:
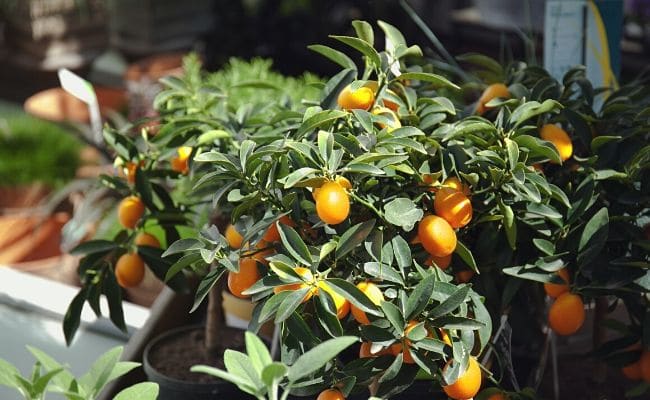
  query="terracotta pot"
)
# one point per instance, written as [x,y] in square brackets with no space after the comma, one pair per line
[33,237]
[57,105]
[21,197]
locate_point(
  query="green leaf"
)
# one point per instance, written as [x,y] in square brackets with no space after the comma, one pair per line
[394,38]
[452,303]
[143,187]
[183,245]
[513,153]
[297,176]
[94,246]
[466,255]
[290,304]
[362,46]
[538,147]
[240,364]
[593,237]
[427,77]
[273,373]
[382,272]
[72,316]
[402,252]
[455,322]
[545,246]
[605,174]
[113,294]
[393,315]
[532,109]
[292,241]
[364,31]
[257,351]
[317,357]
[62,380]
[243,384]
[509,224]
[355,296]
[403,212]
[139,391]
[353,237]
[318,120]
[600,141]
[8,374]
[334,55]
[97,377]
[419,297]
[206,285]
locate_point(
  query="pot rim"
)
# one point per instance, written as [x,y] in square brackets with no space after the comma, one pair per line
[153,373]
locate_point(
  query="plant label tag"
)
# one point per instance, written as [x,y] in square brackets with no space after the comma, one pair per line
[83,90]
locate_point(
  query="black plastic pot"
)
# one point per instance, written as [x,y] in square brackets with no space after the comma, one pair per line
[175,389]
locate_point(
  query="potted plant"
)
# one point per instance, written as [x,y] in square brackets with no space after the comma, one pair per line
[49,376]
[379,212]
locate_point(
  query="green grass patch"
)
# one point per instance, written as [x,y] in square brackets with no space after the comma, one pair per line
[35,151]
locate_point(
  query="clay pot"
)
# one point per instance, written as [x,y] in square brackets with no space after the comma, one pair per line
[167,347]
[57,105]
[30,237]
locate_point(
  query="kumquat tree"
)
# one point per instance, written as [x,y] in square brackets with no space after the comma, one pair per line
[398,211]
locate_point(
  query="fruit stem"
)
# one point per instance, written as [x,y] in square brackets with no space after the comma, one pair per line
[367,204]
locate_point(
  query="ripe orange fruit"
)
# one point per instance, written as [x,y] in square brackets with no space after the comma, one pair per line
[375,295]
[341,303]
[360,99]
[146,239]
[364,350]
[331,394]
[130,211]
[453,206]
[332,203]
[559,138]
[633,371]
[386,112]
[341,180]
[567,314]
[129,270]
[233,237]
[440,262]
[556,289]
[307,276]
[468,384]
[644,361]
[437,236]
[180,163]
[464,276]
[130,168]
[245,278]
[454,183]
[491,92]
[272,234]
[497,396]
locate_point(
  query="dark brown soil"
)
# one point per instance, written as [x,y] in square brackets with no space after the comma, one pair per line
[175,355]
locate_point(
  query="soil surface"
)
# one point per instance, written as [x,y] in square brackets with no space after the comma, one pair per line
[176,354]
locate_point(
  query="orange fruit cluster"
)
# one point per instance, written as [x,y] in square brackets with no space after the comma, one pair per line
[330,394]
[373,293]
